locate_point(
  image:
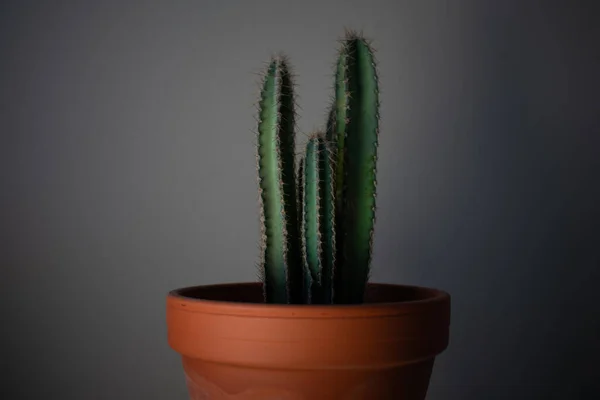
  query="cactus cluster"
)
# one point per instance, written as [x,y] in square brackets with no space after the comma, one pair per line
[317,217]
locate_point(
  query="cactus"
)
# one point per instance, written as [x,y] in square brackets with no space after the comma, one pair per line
[356,136]
[318,229]
[280,240]
[318,218]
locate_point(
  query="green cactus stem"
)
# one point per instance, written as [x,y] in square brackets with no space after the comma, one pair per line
[307,278]
[311,210]
[318,218]
[355,133]
[281,260]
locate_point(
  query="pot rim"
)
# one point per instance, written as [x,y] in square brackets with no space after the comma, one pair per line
[419,299]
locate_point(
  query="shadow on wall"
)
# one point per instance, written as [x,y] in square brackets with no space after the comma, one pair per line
[526,322]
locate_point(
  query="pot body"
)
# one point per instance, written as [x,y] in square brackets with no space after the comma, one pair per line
[234,346]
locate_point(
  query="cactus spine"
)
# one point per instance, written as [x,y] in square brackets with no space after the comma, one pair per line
[318,234]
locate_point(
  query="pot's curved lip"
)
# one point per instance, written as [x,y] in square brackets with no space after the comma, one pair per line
[428,299]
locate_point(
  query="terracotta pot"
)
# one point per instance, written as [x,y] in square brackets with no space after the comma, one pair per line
[234,346]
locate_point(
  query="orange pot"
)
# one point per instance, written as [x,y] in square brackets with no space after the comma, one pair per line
[234,346]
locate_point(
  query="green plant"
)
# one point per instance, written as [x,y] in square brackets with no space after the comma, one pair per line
[318,220]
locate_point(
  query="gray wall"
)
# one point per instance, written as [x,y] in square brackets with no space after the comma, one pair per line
[127,167]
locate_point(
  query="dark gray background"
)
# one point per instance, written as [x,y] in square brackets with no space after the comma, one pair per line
[127,167]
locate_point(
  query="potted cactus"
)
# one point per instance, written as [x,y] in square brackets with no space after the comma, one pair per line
[313,328]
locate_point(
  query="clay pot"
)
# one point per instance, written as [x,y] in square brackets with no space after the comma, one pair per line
[234,346]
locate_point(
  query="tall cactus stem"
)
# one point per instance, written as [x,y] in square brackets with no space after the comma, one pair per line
[280,242]
[358,112]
